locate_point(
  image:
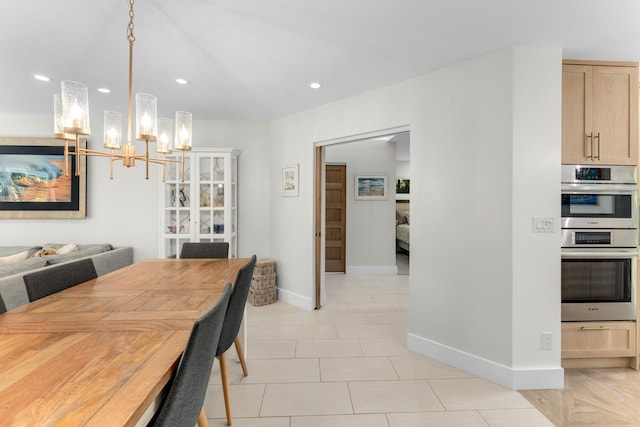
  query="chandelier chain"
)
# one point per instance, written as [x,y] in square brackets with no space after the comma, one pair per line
[130,35]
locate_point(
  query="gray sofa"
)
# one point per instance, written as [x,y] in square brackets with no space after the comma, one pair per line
[105,259]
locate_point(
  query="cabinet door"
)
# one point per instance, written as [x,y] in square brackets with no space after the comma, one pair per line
[212,181]
[615,115]
[598,339]
[576,114]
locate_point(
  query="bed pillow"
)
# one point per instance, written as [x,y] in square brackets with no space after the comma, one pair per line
[401,217]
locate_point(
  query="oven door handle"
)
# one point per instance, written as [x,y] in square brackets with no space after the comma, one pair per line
[599,188]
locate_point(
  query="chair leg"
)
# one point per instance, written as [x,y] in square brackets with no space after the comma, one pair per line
[241,356]
[225,386]
[202,419]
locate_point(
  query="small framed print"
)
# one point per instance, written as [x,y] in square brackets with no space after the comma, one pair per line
[371,187]
[290,180]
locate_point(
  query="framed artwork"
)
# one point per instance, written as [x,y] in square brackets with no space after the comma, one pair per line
[290,180]
[402,189]
[33,182]
[371,187]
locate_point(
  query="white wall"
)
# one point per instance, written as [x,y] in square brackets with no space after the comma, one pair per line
[124,211]
[251,138]
[472,248]
[370,239]
[403,169]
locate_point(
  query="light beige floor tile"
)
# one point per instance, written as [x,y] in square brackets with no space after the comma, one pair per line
[415,366]
[265,371]
[253,422]
[334,307]
[392,299]
[272,349]
[306,399]
[328,348]
[366,331]
[438,419]
[515,417]
[393,396]
[369,307]
[346,318]
[261,333]
[297,332]
[245,400]
[394,318]
[367,420]
[372,347]
[356,369]
[476,393]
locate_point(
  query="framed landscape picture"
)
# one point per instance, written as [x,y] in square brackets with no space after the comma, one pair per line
[371,187]
[33,183]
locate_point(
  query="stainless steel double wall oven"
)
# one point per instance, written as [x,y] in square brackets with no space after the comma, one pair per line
[599,242]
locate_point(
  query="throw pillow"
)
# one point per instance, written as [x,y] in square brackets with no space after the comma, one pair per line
[44,251]
[67,249]
[10,259]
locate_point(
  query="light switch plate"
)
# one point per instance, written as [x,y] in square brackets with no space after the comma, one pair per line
[544,224]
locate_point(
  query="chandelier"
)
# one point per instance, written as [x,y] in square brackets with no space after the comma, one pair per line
[71,120]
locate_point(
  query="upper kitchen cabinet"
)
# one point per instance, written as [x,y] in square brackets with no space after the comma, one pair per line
[599,113]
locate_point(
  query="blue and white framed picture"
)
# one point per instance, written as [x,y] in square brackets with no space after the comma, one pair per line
[371,187]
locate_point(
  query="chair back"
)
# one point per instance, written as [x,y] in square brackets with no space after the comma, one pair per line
[3,308]
[186,394]
[205,250]
[57,278]
[235,310]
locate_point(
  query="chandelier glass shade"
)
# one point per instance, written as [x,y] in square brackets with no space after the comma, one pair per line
[71,120]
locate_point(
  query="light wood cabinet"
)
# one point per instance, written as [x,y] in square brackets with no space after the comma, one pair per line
[599,113]
[598,341]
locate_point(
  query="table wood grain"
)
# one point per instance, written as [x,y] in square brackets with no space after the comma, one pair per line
[101,352]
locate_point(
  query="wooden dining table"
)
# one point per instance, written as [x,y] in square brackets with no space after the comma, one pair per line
[102,352]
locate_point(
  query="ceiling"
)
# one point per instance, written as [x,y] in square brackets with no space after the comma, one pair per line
[253,59]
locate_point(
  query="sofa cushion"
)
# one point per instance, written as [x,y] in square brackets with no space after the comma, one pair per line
[58,258]
[20,266]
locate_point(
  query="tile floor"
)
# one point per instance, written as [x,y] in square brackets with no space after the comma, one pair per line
[347,365]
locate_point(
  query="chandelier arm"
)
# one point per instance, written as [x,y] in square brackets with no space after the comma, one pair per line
[66,157]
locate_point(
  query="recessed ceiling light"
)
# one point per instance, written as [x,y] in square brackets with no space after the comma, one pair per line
[315,85]
[104,90]
[41,77]
[181,81]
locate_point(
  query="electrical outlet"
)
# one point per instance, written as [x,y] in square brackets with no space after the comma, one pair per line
[543,224]
[547,340]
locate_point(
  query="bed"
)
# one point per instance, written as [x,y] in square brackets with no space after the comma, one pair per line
[402,227]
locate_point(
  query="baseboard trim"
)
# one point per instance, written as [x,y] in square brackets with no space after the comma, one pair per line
[295,299]
[515,379]
[371,269]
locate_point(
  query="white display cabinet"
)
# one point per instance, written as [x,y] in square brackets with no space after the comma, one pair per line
[203,207]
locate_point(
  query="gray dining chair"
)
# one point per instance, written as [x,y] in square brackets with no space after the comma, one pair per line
[205,250]
[230,328]
[57,278]
[183,404]
[3,308]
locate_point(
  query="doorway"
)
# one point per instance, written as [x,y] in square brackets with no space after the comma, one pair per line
[336,218]
[388,263]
